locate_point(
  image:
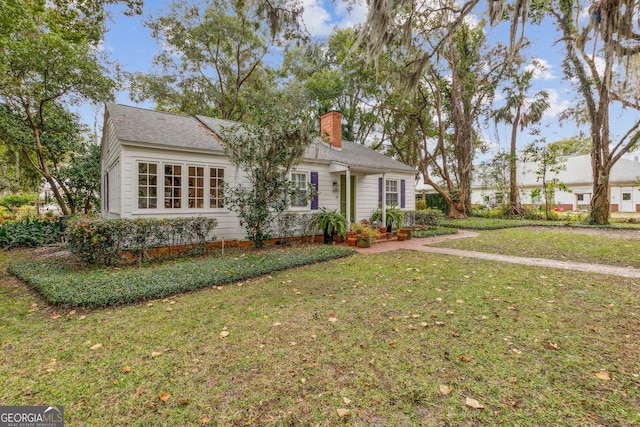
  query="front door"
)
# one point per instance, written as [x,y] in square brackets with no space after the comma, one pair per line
[343,197]
[626,202]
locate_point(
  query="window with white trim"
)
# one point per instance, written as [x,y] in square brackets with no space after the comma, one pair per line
[300,182]
[392,192]
[196,187]
[172,186]
[216,188]
[147,185]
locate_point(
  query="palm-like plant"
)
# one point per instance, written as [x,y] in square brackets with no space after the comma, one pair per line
[520,111]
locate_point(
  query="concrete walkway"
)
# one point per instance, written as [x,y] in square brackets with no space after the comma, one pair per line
[422,244]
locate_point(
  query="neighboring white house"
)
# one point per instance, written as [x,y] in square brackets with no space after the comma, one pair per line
[624,186]
[157,164]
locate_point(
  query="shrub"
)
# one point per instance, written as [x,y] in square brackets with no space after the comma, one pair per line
[28,233]
[13,201]
[429,217]
[101,241]
[436,231]
[421,205]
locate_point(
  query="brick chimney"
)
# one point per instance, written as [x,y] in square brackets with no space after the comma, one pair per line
[331,128]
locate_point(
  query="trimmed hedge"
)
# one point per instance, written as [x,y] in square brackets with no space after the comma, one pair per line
[438,231]
[425,218]
[63,283]
[101,241]
[29,233]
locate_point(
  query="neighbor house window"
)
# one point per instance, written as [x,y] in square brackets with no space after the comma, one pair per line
[216,187]
[172,186]
[299,199]
[580,197]
[147,185]
[626,196]
[196,187]
[391,193]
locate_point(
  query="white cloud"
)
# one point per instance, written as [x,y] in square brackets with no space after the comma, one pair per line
[316,18]
[558,105]
[541,69]
[321,22]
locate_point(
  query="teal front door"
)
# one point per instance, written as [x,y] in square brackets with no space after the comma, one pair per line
[343,197]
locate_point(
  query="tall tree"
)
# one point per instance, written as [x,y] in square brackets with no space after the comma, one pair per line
[214,61]
[335,75]
[520,111]
[49,60]
[594,50]
[265,153]
[460,98]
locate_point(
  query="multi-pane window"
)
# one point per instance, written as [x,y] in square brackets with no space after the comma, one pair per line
[172,186]
[391,192]
[299,199]
[196,187]
[147,185]
[216,187]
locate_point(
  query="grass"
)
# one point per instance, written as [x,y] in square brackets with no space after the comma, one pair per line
[480,223]
[65,282]
[559,244]
[376,334]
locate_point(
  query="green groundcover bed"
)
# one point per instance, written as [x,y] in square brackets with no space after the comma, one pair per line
[63,282]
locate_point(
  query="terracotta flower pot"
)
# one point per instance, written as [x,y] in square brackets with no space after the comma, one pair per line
[352,241]
[402,237]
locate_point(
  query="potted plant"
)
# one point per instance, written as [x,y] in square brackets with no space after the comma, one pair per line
[394,217]
[365,237]
[330,222]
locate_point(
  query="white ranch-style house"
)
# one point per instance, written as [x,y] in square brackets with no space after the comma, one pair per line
[576,176]
[157,164]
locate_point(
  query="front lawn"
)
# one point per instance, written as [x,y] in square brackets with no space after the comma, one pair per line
[556,243]
[402,338]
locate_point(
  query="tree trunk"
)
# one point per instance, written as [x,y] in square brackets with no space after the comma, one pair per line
[514,201]
[457,210]
[600,200]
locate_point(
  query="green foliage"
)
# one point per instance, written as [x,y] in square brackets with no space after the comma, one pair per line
[82,178]
[214,65]
[28,233]
[14,201]
[101,241]
[393,216]
[63,283]
[437,201]
[425,218]
[330,221]
[266,153]
[421,205]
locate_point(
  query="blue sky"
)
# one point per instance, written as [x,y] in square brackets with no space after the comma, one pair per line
[130,43]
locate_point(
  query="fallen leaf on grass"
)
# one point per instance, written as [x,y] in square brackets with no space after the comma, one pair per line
[140,390]
[184,402]
[333,319]
[603,375]
[224,334]
[343,412]
[156,353]
[464,358]
[346,400]
[459,301]
[164,396]
[96,347]
[473,403]
[205,420]
[126,369]
[277,324]
[55,316]
[445,389]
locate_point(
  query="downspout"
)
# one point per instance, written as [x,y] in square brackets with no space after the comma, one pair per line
[383,208]
[347,193]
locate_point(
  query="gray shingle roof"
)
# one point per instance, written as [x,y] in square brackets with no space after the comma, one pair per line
[154,127]
[135,124]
